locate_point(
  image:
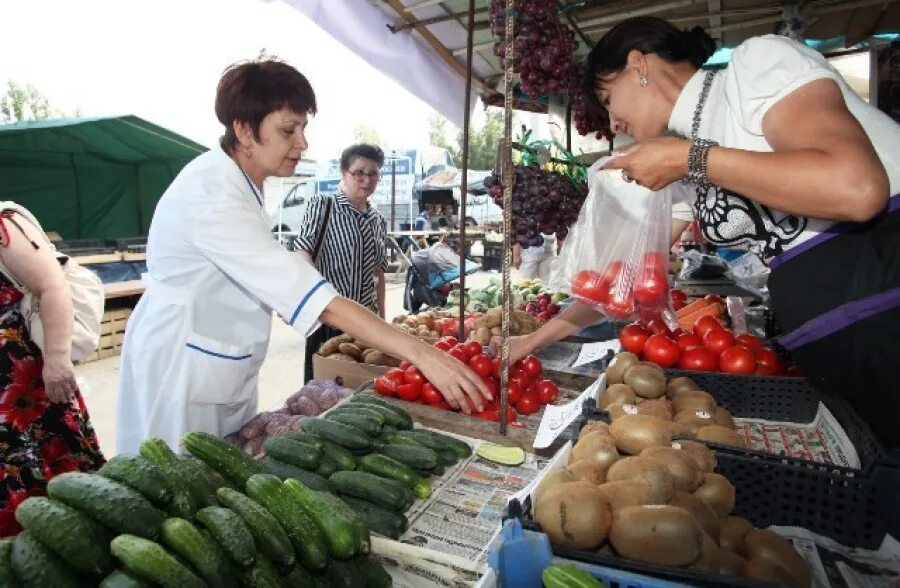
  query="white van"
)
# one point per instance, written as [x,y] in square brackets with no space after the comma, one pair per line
[286,200]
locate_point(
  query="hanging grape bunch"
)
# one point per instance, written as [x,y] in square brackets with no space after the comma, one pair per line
[543,201]
[543,47]
[589,120]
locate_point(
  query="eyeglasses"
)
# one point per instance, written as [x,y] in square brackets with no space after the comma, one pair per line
[361,175]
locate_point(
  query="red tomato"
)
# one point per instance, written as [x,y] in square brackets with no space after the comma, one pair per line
[532,366]
[718,340]
[713,298]
[443,345]
[396,375]
[459,354]
[689,341]
[650,288]
[404,365]
[492,384]
[678,332]
[465,349]
[515,391]
[662,351]
[410,392]
[510,414]
[657,327]
[491,414]
[414,376]
[699,359]
[443,405]
[450,340]
[613,273]
[523,380]
[763,370]
[619,305]
[656,262]
[474,348]
[632,337]
[431,395]
[547,391]
[587,286]
[482,365]
[737,360]
[385,386]
[706,324]
[679,298]
[529,403]
[768,358]
[749,341]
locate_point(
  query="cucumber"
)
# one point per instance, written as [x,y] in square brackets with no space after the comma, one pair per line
[150,561]
[322,581]
[340,456]
[358,421]
[439,469]
[344,509]
[230,533]
[421,458]
[35,566]
[457,446]
[122,579]
[78,540]
[508,456]
[568,576]
[307,438]
[293,452]
[389,429]
[222,456]
[286,470]
[298,578]
[422,439]
[337,528]
[393,415]
[262,574]
[269,536]
[381,520]
[360,409]
[344,435]
[140,474]
[308,541]
[183,503]
[372,488]
[200,479]
[113,504]
[327,466]
[373,572]
[345,574]
[7,578]
[386,467]
[187,541]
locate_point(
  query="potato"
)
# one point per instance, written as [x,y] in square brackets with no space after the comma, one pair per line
[330,346]
[663,535]
[718,493]
[575,515]
[635,432]
[655,475]
[343,357]
[351,350]
[255,427]
[483,335]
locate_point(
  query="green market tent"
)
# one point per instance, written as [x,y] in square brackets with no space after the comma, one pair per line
[91,178]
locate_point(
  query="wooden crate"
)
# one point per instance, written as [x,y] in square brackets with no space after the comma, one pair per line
[112,333]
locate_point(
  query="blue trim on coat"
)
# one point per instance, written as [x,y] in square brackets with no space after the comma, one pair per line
[304,301]
[214,354]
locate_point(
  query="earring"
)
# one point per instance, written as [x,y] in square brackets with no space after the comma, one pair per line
[642,80]
[247,153]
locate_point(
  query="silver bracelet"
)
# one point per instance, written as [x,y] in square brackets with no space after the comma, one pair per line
[698,156]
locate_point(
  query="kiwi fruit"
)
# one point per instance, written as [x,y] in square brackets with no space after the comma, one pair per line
[769,546]
[575,515]
[657,407]
[658,534]
[617,410]
[634,492]
[693,401]
[763,569]
[687,423]
[554,478]
[730,563]
[723,418]
[684,470]
[719,434]
[596,447]
[704,515]
[615,373]
[646,381]
[660,481]
[587,471]
[709,556]
[732,531]
[679,385]
[592,427]
[635,432]
[718,493]
[616,394]
[705,458]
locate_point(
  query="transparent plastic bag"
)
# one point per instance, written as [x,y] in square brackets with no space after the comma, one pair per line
[616,257]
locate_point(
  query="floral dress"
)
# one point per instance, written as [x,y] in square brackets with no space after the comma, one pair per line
[38,439]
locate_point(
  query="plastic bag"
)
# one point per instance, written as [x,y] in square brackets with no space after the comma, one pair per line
[701,266]
[616,256]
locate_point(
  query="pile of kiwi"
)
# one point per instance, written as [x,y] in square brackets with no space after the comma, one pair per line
[629,490]
[635,387]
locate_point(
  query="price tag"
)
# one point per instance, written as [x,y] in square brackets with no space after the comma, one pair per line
[557,418]
[594,351]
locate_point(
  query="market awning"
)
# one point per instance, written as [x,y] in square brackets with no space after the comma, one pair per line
[91,178]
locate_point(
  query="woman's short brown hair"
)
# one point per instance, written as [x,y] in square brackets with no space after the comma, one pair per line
[251,90]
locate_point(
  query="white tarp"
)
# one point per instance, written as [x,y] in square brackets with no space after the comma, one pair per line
[403,57]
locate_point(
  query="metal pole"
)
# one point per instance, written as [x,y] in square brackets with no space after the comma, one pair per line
[464,184]
[506,167]
[393,187]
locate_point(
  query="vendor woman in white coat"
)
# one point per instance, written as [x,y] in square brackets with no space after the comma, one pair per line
[198,337]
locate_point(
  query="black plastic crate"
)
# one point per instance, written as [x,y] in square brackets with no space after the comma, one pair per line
[854,508]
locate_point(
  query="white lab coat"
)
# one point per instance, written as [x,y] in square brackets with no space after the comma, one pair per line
[197,339]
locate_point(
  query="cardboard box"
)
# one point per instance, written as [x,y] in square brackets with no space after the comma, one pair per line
[352,374]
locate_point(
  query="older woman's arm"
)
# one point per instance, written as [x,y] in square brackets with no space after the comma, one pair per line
[40,273]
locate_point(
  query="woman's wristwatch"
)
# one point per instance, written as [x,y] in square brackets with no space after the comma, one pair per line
[697,162]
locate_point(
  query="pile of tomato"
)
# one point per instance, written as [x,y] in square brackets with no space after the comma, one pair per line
[709,347]
[528,391]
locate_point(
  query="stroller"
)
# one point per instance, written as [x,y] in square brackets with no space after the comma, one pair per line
[429,269]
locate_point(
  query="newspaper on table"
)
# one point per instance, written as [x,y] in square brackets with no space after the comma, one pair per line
[822,441]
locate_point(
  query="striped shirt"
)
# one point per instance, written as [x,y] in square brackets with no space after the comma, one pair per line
[353,246]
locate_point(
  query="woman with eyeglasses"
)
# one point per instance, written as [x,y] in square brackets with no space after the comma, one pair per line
[199,335]
[344,237]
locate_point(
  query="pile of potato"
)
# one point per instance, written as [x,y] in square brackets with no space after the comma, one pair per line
[346,348]
[521,323]
[639,387]
[628,490]
[426,325]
